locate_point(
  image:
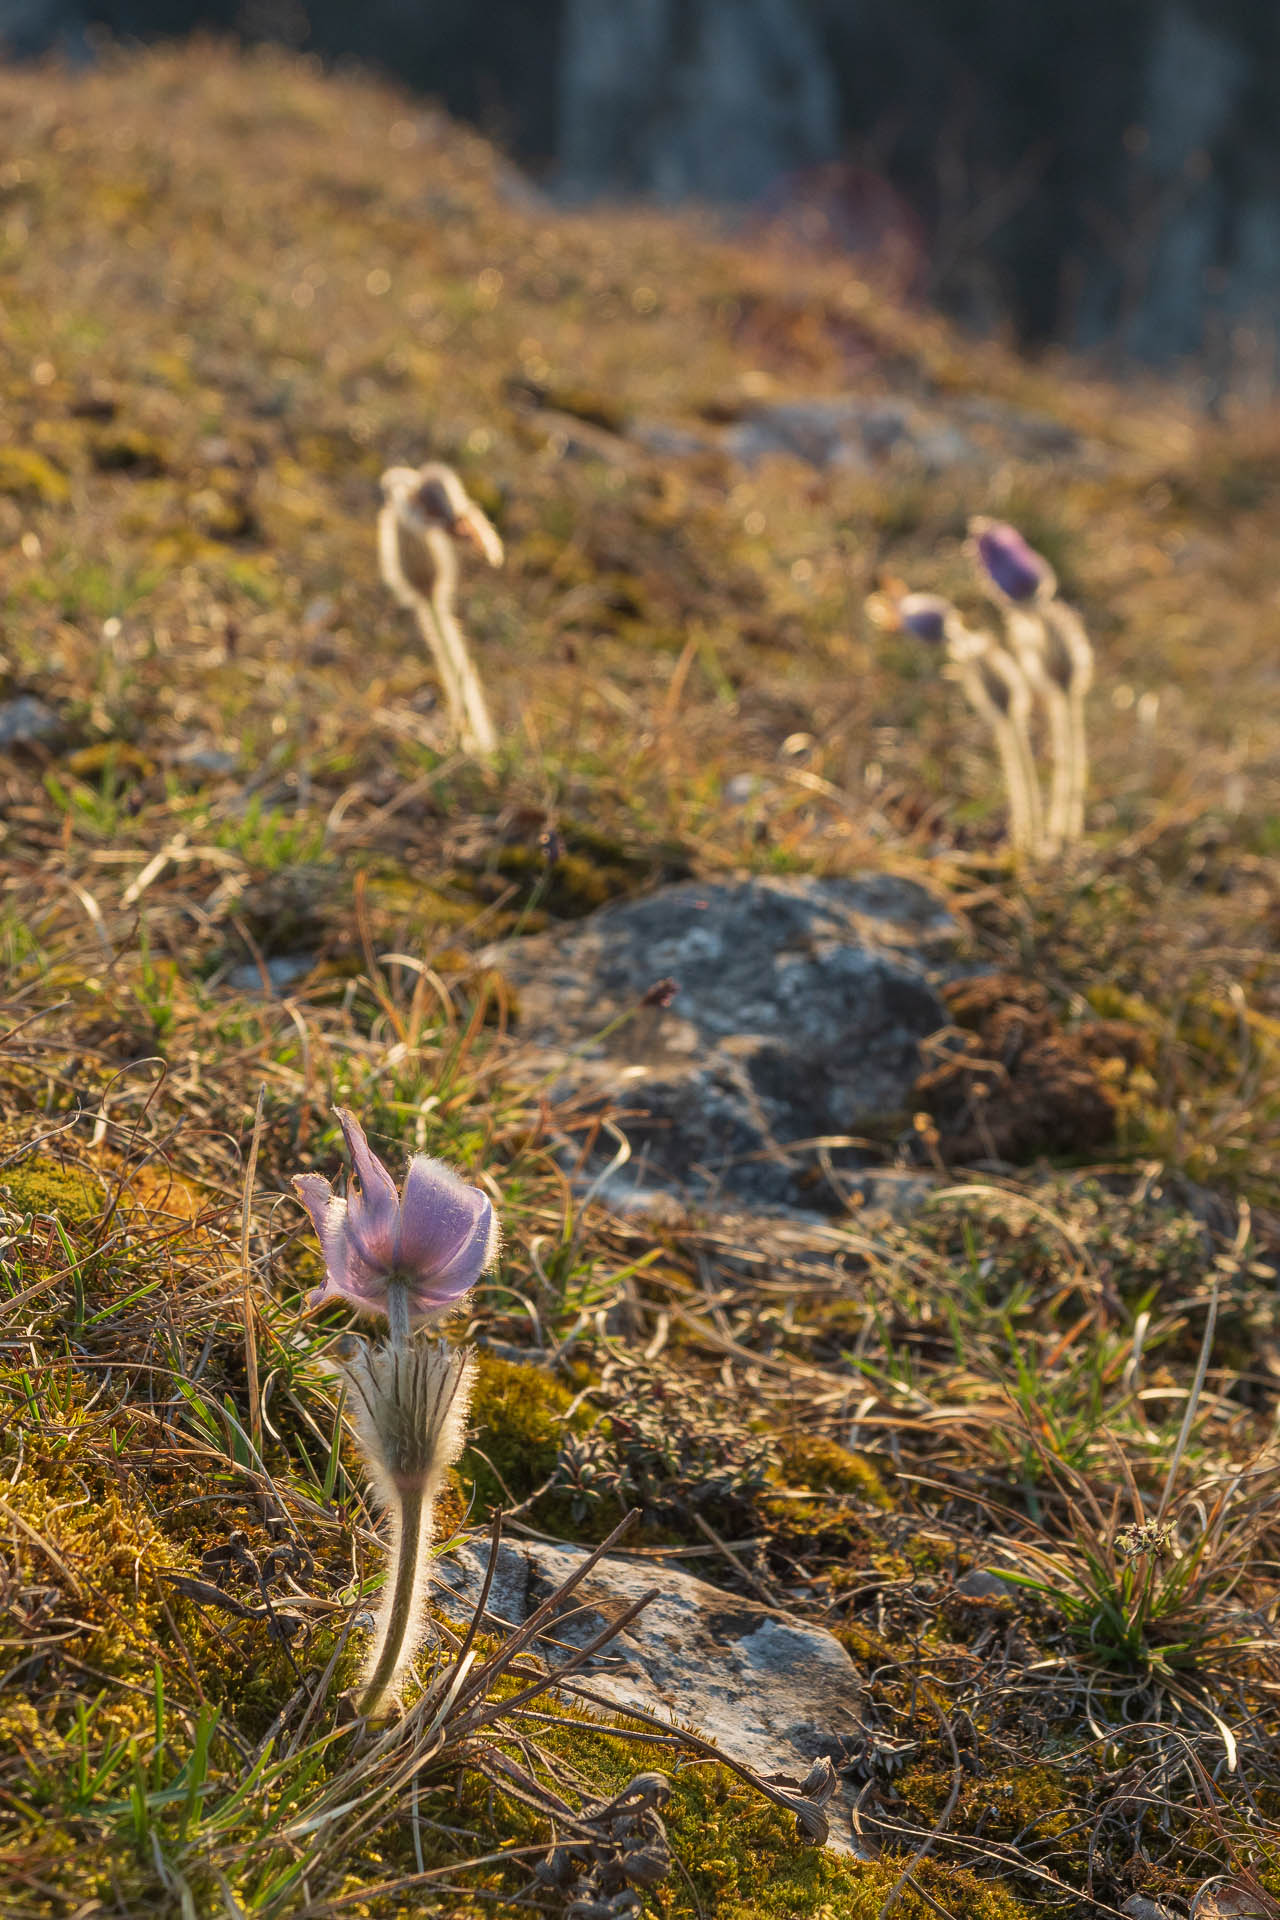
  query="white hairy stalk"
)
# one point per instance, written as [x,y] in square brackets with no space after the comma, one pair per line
[408,1405]
[1029,644]
[996,688]
[425,511]
[1069,658]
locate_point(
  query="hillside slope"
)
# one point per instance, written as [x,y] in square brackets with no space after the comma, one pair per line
[231,294]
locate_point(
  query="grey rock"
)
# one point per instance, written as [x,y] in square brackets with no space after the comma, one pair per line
[843,431]
[26,721]
[1138,1907]
[799,1008]
[668,439]
[199,760]
[283,970]
[742,788]
[979,1584]
[768,1689]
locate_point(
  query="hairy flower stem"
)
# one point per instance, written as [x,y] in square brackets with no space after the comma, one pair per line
[1030,786]
[1061,784]
[400,1615]
[1022,827]
[457,671]
[398,1312]
[1079,764]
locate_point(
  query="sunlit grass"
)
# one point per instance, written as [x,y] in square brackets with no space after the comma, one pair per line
[201,391]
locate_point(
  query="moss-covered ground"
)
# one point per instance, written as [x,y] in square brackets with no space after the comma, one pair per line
[243,860]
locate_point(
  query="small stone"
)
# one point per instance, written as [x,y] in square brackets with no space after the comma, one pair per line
[665,438]
[206,760]
[319,613]
[1225,1899]
[26,721]
[770,1690]
[981,1585]
[283,969]
[741,788]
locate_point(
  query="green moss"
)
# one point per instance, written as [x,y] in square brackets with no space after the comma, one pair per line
[518,1419]
[589,404]
[570,886]
[39,1186]
[558,558]
[246,1668]
[570,874]
[27,475]
[401,894]
[110,765]
[745,1862]
[223,510]
[744,1857]
[823,1466]
[1003,1805]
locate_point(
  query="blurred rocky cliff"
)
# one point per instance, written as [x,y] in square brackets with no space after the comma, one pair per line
[1089,171]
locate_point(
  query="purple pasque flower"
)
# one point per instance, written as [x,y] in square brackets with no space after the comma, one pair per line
[434,1239]
[925,616]
[1013,568]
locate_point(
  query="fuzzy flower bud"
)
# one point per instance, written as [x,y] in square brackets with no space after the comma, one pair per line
[1017,572]
[430,1243]
[925,616]
[409,1409]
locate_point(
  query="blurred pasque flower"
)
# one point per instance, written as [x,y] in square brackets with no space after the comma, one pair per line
[434,1239]
[1015,569]
[925,615]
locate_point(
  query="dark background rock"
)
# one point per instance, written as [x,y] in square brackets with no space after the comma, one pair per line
[1094,172]
[799,1012]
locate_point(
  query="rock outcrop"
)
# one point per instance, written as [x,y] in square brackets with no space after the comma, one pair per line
[794,1017]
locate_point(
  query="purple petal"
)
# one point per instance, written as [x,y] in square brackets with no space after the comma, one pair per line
[349,1277]
[925,615]
[439,1215]
[437,1241]
[374,1212]
[315,1193]
[325,1295]
[331,1292]
[460,1274]
[1014,568]
[328,1217]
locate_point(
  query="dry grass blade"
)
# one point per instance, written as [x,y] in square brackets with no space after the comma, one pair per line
[250,1309]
